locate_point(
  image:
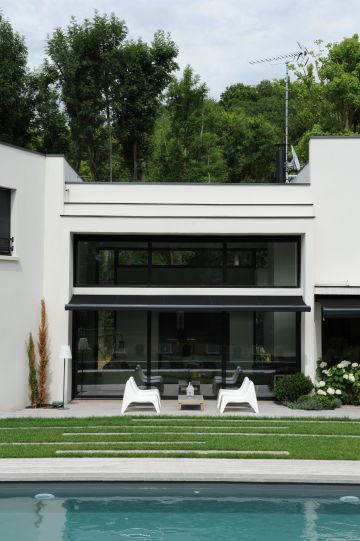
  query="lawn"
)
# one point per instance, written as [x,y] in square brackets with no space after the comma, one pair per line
[209,437]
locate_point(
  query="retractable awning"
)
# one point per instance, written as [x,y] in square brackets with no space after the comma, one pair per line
[188,302]
[340,306]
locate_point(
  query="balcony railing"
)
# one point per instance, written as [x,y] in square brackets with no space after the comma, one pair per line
[6,245]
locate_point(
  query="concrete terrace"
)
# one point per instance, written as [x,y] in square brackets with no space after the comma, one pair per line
[111,408]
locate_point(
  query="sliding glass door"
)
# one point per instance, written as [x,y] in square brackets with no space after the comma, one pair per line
[107,347]
[179,346]
[188,346]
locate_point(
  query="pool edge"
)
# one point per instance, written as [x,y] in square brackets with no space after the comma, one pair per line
[181,470]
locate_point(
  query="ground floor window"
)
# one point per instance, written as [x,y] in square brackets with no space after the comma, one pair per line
[341,339]
[206,347]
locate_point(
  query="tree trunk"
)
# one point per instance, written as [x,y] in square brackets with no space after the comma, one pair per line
[135,161]
[92,164]
[108,120]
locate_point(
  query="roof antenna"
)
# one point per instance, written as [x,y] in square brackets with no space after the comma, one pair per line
[286,58]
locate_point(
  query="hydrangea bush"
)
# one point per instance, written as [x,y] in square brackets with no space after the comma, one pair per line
[341,380]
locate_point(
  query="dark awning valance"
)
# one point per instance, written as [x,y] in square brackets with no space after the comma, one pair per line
[188,302]
[340,306]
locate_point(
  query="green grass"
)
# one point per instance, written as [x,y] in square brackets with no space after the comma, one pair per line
[302,438]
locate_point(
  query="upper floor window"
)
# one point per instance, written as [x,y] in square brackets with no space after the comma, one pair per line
[5,238]
[191,261]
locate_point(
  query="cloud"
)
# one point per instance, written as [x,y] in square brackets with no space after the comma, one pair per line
[216,37]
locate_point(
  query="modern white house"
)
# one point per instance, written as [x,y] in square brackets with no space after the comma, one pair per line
[185,280]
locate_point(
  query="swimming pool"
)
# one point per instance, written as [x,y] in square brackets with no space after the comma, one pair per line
[178,511]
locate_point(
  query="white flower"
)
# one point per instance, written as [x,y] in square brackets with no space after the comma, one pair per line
[351,378]
[331,391]
[323,393]
[345,363]
[337,391]
[346,376]
[326,372]
[340,365]
[354,365]
[321,384]
[323,364]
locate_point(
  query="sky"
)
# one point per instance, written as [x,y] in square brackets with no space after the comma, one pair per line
[216,37]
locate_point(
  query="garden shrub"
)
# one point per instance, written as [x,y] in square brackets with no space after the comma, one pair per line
[341,380]
[315,402]
[291,387]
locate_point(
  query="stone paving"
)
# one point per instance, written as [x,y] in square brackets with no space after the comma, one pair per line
[181,469]
[110,408]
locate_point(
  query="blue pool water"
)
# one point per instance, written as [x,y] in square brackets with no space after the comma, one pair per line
[178,512]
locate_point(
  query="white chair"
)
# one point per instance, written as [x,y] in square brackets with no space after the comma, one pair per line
[132,394]
[232,380]
[223,392]
[244,395]
[143,376]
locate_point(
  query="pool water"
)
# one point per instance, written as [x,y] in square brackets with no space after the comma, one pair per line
[178,512]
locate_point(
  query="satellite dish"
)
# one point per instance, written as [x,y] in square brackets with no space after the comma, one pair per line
[294,164]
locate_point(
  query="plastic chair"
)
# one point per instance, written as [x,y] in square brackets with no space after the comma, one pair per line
[244,395]
[132,394]
[232,380]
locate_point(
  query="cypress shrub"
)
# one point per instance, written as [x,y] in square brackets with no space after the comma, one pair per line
[33,382]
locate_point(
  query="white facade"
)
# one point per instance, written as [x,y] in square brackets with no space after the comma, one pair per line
[50,205]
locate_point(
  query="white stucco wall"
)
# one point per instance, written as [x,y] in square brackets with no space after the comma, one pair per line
[33,271]
[51,204]
[183,209]
[335,178]
[21,275]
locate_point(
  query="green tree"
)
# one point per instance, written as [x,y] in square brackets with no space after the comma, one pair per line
[266,98]
[249,147]
[339,72]
[146,73]
[15,105]
[87,59]
[188,136]
[49,129]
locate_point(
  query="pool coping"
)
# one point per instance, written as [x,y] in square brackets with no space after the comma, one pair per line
[180,470]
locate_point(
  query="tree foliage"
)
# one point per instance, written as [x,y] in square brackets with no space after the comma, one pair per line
[187,143]
[113,106]
[15,109]
[49,127]
[87,62]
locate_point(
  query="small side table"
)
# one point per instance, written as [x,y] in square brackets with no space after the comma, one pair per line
[197,400]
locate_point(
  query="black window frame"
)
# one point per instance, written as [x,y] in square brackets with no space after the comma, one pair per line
[226,364]
[6,240]
[219,239]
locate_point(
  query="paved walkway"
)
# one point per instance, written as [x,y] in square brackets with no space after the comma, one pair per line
[181,469]
[107,408]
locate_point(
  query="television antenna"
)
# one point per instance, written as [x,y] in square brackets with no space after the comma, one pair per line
[287,58]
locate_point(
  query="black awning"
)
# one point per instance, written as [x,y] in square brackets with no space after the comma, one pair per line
[340,306]
[188,302]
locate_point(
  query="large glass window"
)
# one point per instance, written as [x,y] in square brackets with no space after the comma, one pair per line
[262,264]
[5,240]
[187,261]
[174,347]
[107,262]
[107,348]
[264,344]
